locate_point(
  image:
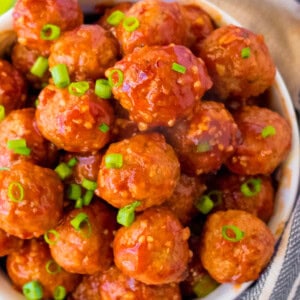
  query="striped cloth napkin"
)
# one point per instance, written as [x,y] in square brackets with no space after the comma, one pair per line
[279,22]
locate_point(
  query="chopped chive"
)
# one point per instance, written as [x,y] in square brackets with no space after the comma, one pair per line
[79,203]
[18,143]
[33,290]
[63,171]
[72,162]
[251,187]
[204,286]
[60,75]
[89,184]
[238,233]
[78,88]
[120,78]
[178,68]
[103,128]
[126,214]
[23,151]
[52,267]
[39,67]
[205,204]
[74,191]
[2,112]
[36,102]
[245,53]
[268,131]
[79,222]
[59,293]
[103,88]
[115,18]
[15,192]
[50,32]
[113,160]
[130,24]
[88,197]
[48,239]
[203,147]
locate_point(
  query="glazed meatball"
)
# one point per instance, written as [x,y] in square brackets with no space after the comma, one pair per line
[72,122]
[159,23]
[12,87]
[252,194]
[151,99]
[34,262]
[154,248]
[23,59]
[9,243]
[235,246]
[182,202]
[85,249]
[146,170]
[238,62]
[21,125]
[206,140]
[31,200]
[266,140]
[96,50]
[30,16]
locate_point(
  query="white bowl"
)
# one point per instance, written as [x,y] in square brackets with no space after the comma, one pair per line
[289,172]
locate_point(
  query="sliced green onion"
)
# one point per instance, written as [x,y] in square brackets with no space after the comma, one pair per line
[79,222]
[4,169]
[238,233]
[245,53]
[88,197]
[18,143]
[15,192]
[63,171]
[72,162]
[2,112]
[79,203]
[39,67]
[74,191]
[203,147]
[36,102]
[23,151]
[205,204]
[33,290]
[126,214]
[216,197]
[59,293]
[178,68]
[103,88]
[204,286]
[120,78]
[113,160]
[89,184]
[52,267]
[78,88]
[48,237]
[50,32]
[131,24]
[115,18]
[60,75]
[103,128]
[251,187]
[268,131]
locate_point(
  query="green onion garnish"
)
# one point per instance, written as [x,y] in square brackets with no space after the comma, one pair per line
[63,171]
[205,204]
[251,187]
[103,88]
[78,88]
[204,286]
[59,293]
[15,192]
[203,147]
[238,233]
[268,131]
[89,184]
[60,75]
[39,67]
[4,169]
[131,24]
[72,162]
[178,68]
[103,128]
[115,18]
[245,53]
[36,102]
[79,203]
[126,214]
[33,290]
[113,160]
[2,112]
[74,191]
[50,32]
[79,222]
[88,197]
[48,237]
[52,267]
[120,78]
[19,146]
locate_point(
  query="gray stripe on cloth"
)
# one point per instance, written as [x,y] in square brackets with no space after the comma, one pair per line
[297,295]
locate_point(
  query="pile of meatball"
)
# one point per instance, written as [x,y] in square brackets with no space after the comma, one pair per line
[182,141]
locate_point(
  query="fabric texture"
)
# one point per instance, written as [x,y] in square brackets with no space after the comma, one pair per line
[279,22]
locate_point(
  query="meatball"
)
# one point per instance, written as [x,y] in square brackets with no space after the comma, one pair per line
[21,125]
[146,170]
[252,194]
[206,140]
[182,202]
[159,23]
[31,200]
[9,243]
[30,16]
[238,61]
[74,123]
[34,262]
[96,50]
[23,59]
[12,87]
[266,141]
[151,99]
[86,248]
[154,248]
[235,246]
